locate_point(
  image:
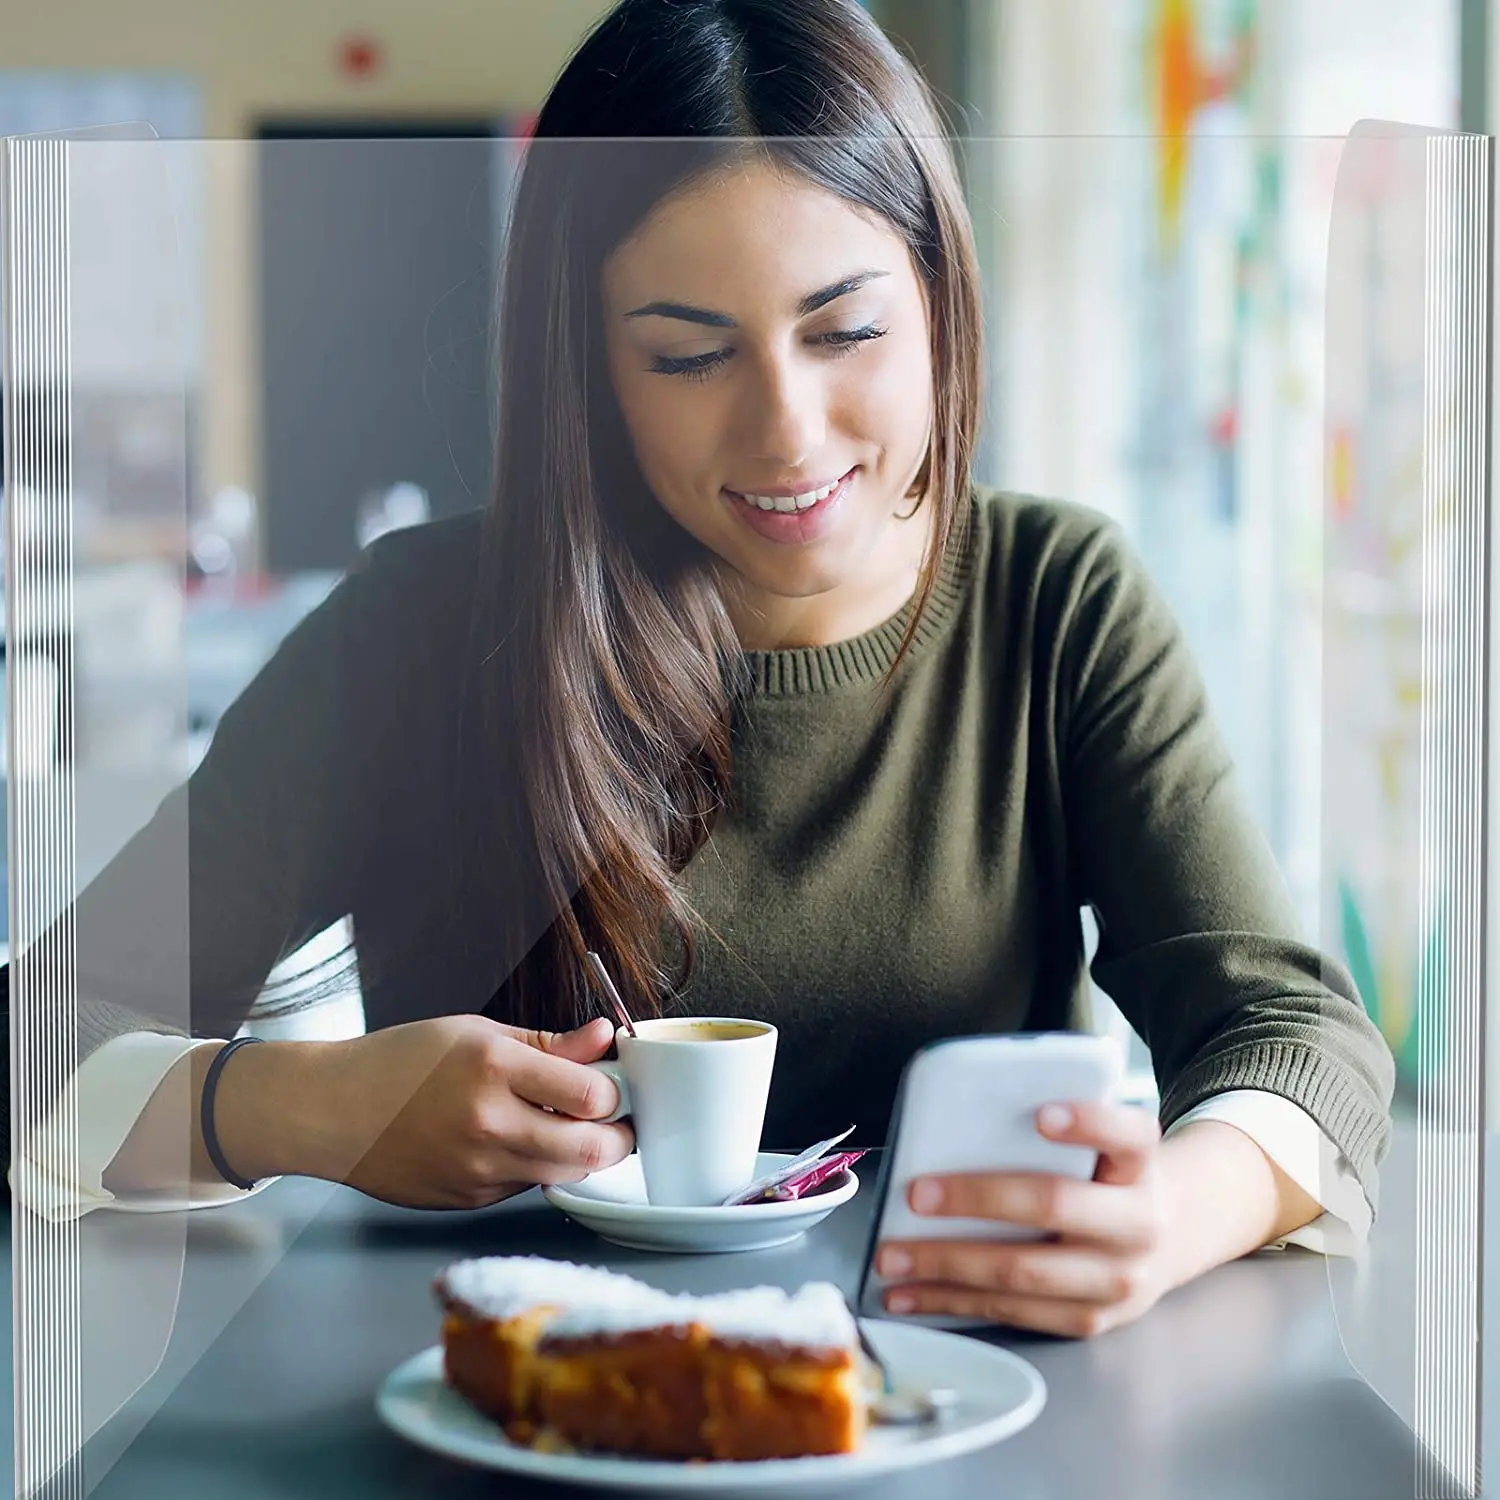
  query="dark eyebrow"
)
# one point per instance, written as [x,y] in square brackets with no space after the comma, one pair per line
[686,313]
[814,300]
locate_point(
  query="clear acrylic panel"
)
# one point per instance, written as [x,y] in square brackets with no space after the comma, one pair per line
[138,608]
[1405,705]
[98,370]
[233,365]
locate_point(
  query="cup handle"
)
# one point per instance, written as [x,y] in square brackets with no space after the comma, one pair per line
[613,1071]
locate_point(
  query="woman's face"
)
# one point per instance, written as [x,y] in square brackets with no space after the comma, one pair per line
[768,344]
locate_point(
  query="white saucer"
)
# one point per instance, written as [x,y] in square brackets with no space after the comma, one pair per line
[613,1204]
[999,1393]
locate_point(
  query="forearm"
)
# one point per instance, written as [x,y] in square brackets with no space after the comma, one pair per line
[267,1116]
[1224,1198]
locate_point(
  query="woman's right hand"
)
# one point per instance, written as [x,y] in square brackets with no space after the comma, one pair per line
[454,1112]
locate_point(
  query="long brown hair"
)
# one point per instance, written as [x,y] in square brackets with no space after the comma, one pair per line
[607,670]
[609,661]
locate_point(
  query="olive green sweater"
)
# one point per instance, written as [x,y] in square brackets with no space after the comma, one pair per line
[893,871]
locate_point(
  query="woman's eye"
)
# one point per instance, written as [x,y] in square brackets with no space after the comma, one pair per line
[846,340]
[701,366]
[690,366]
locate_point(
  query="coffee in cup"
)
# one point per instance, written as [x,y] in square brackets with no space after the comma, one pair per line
[696,1089]
[703,1031]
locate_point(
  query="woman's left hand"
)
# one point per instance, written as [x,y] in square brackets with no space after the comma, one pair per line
[1105,1263]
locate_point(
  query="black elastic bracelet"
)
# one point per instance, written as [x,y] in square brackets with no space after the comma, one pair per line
[206,1113]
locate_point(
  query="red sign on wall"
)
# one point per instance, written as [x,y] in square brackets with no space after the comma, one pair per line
[360,56]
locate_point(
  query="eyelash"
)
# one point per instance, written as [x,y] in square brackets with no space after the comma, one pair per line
[700,366]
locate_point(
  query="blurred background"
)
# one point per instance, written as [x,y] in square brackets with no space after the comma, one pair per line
[1151,182]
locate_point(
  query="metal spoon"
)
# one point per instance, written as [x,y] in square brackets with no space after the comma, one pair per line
[908,1408]
[602,974]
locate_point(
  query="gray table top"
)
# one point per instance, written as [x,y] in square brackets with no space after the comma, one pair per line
[295,1304]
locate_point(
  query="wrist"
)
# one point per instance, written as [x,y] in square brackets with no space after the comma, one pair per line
[266,1110]
[1222,1199]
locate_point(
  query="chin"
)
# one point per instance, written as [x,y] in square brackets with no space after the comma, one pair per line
[806,581]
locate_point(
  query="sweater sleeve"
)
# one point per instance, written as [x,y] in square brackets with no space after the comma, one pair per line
[1198,936]
[253,855]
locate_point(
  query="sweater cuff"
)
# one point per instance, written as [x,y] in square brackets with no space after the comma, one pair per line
[1347,1113]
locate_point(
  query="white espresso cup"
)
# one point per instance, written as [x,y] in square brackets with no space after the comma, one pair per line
[696,1089]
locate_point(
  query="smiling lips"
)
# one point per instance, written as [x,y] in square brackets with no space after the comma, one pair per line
[785,514]
[787,500]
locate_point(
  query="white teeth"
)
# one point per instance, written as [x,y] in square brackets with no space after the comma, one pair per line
[792,502]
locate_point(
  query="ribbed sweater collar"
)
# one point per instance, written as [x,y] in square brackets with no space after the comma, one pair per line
[799,670]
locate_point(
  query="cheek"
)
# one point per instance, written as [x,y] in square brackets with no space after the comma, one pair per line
[671,426]
[888,400]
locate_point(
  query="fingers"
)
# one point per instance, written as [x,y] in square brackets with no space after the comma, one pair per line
[551,1149]
[521,1144]
[1112,1208]
[540,1116]
[1120,1216]
[1056,1272]
[557,1083]
[1125,1136]
[1072,1320]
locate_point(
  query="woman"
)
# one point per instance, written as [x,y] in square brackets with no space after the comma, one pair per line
[742,683]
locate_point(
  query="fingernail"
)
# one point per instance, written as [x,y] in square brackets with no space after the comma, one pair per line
[1054,1117]
[901,1302]
[895,1263]
[926,1196]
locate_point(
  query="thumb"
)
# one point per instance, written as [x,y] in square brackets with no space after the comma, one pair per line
[584,1044]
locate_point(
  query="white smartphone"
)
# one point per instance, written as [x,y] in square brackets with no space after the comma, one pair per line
[968,1104]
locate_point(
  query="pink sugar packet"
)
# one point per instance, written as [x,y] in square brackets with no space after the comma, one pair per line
[760,1191]
[815,1176]
[795,1180]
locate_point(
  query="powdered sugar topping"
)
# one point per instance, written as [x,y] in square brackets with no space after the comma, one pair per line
[505,1286]
[595,1301]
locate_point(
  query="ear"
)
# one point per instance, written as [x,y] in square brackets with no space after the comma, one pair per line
[922,482]
[919,485]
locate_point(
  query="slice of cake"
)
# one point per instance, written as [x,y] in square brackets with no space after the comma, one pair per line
[567,1356]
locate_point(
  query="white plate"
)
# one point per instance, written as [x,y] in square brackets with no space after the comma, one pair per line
[613,1204]
[999,1394]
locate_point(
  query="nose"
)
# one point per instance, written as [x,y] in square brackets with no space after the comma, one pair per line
[785,413]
